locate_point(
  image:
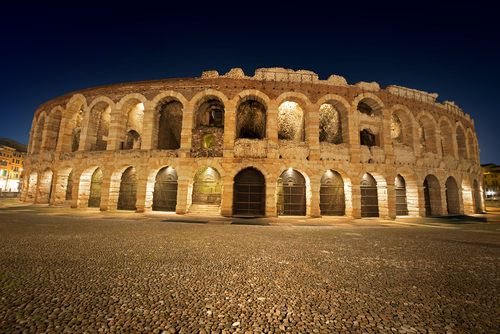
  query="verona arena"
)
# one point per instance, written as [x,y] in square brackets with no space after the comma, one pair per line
[278,143]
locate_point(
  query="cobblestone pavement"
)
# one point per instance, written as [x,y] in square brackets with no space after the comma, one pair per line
[76,273]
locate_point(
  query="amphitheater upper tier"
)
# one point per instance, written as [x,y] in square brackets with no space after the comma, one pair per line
[280,142]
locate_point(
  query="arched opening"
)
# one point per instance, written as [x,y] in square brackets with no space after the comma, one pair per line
[69,187]
[38,135]
[134,111]
[32,183]
[452,199]
[132,141]
[98,128]
[165,191]
[427,134]
[127,196]
[169,125]
[249,193]
[476,196]
[401,202]
[461,143]
[208,130]
[367,138]
[290,121]
[470,145]
[52,132]
[432,196]
[95,189]
[446,139]
[76,132]
[331,195]
[45,187]
[331,127]
[369,196]
[396,129]
[251,120]
[207,187]
[291,193]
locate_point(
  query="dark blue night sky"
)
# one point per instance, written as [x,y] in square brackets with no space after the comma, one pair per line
[450,47]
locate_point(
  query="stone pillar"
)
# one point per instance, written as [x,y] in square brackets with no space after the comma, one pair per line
[356,197]
[182,195]
[186,131]
[354,143]
[391,201]
[271,185]
[61,137]
[116,129]
[229,130]
[108,192]
[142,184]
[314,209]
[461,202]
[59,188]
[312,132]
[421,202]
[150,127]
[386,143]
[444,202]
[85,144]
[227,195]
[272,131]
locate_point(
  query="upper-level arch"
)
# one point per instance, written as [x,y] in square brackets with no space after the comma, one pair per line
[52,128]
[368,103]
[251,115]
[461,141]
[446,141]
[427,132]
[98,122]
[402,121]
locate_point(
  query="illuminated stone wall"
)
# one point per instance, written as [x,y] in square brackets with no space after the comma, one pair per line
[275,120]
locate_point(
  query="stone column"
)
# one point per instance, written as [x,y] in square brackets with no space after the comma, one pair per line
[227,195]
[391,201]
[421,202]
[108,192]
[272,131]
[444,202]
[182,194]
[315,183]
[312,131]
[85,144]
[142,185]
[61,137]
[59,188]
[116,129]
[271,185]
[150,127]
[354,143]
[356,197]
[187,131]
[386,143]
[229,130]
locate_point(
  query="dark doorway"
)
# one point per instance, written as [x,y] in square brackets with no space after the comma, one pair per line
[432,196]
[401,203]
[331,194]
[251,120]
[369,196]
[452,198]
[165,192]
[291,194]
[170,126]
[95,189]
[249,193]
[128,190]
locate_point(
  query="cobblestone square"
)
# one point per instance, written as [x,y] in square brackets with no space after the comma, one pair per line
[63,272]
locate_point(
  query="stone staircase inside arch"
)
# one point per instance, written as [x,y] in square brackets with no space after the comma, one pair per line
[205,209]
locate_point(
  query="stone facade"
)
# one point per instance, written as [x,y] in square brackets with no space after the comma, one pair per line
[207,130]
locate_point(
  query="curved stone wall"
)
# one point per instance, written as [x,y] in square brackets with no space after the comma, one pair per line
[396,149]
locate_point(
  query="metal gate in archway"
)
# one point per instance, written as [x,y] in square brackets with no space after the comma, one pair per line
[249,193]
[95,189]
[291,194]
[401,203]
[128,190]
[165,192]
[207,187]
[331,194]
[369,197]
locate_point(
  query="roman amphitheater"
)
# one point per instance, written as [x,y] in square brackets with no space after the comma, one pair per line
[278,143]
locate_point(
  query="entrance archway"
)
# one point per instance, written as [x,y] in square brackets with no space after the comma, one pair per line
[432,196]
[45,187]
[331,194]
[291,193]
[401,203]
[128,190]
[476,196]
[207,187]
[165,192]
[369,196]
[95,189]
[452,199]
[249,193]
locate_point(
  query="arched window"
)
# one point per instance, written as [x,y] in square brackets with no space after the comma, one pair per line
[367,138]
[461,143]
[38,134]
[170,125]
[53,127]
[76,132]
[330,124]
[446,138]
[98,128]
[251,120]
[208,130]
[290,121]
[134,110]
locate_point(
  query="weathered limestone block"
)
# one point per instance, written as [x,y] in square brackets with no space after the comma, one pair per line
[289,149]
[450,162]
[236,73]
[337,152]
[337,80]
[372,154]
[283,74]
[403,154]
[211,146]
[369,86]
[209,74]
[429,159]
[250,148]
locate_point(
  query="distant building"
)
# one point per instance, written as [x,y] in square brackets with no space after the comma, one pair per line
[11,169]
[491,180]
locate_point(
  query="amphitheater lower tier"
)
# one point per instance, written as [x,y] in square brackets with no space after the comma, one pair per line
[164,181]
[281,142]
